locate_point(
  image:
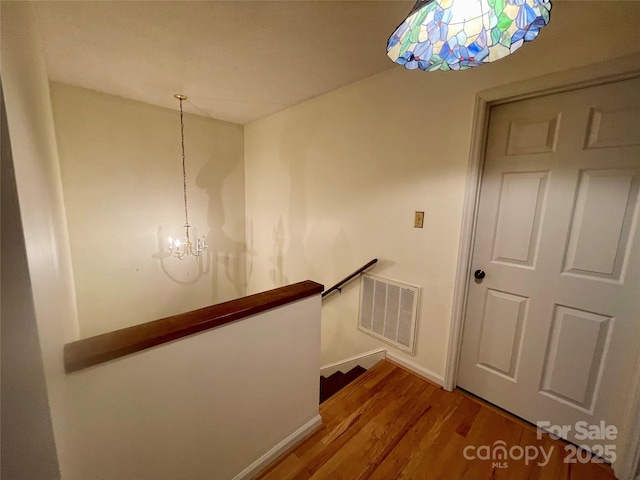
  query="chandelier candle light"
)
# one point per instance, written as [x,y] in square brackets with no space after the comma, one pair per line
[185,248]
[460,34]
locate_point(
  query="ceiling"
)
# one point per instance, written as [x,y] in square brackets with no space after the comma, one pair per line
[236,60]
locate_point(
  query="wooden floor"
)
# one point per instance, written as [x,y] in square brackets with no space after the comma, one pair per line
[391,424]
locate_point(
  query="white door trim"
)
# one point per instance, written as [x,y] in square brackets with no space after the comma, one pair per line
[611,71]
[628,463]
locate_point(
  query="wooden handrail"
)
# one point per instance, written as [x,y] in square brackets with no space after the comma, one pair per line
[339,285]
[109,346]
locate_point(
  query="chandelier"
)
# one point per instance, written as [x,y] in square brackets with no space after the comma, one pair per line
[460,34]
[186,247]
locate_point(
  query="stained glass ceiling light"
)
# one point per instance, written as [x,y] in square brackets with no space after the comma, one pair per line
[460,34]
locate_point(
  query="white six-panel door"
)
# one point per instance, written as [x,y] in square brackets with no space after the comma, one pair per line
[552,332]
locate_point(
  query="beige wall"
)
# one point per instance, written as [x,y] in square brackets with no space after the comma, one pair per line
[330,184]
[38,183]
[335,181]
[120,162]
[27,447]
[203,407]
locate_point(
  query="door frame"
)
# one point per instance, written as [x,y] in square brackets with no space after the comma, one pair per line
[620,69]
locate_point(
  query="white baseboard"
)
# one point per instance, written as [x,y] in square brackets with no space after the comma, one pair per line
[365,360]
[260,464]
[423,372]
[369,359]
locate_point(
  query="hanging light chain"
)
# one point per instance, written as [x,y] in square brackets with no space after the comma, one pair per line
[184,167]
[187,248]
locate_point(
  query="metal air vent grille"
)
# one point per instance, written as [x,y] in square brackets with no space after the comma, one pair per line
[388,311]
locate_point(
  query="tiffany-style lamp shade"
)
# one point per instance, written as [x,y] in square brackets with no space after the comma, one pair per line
[460,34]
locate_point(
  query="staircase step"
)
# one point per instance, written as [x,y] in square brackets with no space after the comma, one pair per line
[331,385]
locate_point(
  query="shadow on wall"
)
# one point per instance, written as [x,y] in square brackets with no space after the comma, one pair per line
[222,177]
[308,240]
[224,172]
[251,252]
[276,273]
[311,240]
[288,261]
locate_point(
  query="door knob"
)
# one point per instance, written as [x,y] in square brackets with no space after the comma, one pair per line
[479,274]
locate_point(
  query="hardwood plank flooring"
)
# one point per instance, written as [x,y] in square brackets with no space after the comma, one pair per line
[392,424]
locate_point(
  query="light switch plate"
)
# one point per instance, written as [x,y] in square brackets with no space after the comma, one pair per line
[419,220]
